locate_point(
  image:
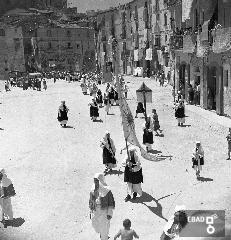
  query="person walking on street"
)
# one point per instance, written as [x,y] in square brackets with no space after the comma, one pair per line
[229,143]
[198,159]
[126,233]
[62,114]
[109,151]
[180,113]
[99,98]
[107,103]
[44,84]
[148,134]
[126,91]
[7,191]
[155,120]
[101,204]
[140,109]
[94,110]
[133,175]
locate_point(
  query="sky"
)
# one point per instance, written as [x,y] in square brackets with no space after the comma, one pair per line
[84,5]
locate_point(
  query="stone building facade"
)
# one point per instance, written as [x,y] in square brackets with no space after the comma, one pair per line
[66,48]
[11,50]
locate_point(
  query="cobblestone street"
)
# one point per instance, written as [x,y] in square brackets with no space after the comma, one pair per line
[52,168]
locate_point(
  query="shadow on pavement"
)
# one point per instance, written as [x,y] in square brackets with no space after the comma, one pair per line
[16,222]
[69,127]
[147,198]
[100,120]
[203,179]
[111,114]
[114,172]
[186,125]
[159,135]
[1,129]
[154,151]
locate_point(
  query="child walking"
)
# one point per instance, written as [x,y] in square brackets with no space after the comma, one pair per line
[127,233]
[229,143]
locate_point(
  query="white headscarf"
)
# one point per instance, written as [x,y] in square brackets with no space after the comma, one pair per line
[103,187]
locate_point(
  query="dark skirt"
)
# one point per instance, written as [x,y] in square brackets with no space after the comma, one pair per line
[180,112]
[94,111]
[62,116]
[156,125]
[147,137]
[133,177]
[140,108]
[108,157]
[195,162]
[111,95]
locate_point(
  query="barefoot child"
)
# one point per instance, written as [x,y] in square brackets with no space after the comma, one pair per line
[127,233]
[229,143]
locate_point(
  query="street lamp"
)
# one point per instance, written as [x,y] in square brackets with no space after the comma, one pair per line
[144,94]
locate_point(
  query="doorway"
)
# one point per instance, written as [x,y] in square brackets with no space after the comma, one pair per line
[212,89]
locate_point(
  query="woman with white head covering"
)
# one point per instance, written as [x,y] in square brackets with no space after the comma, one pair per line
[109,151]
[148,133]
[133,175]
[175,224]
[198,158]
[101,205]
[7,191]
[94,110]
[62,114]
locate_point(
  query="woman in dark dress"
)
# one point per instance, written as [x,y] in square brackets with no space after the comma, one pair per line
[180,113]
[94,110]
[148,134]
[109,150]
[99,98]
[133,175]
[140,109]
[62,114]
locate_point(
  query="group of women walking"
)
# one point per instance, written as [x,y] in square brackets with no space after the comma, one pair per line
[101,201]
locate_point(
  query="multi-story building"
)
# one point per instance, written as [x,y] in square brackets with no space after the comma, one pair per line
[7,5]
[11,50]
[67,47]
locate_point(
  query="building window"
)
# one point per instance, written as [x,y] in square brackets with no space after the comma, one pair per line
[165,19]
[68,33]
[69,45]
[49,33]
[196,18]
[49,45]
[226,80]
[2,32]
[77,46]
[166,38]
[157,17]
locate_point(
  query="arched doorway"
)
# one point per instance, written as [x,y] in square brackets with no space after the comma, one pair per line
[212,89]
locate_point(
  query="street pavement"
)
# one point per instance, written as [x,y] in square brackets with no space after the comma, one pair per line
[52,168]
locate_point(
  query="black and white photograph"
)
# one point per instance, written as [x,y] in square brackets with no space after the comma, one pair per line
[115,119]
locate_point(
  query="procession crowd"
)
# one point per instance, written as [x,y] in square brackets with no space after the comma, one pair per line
[101,201]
